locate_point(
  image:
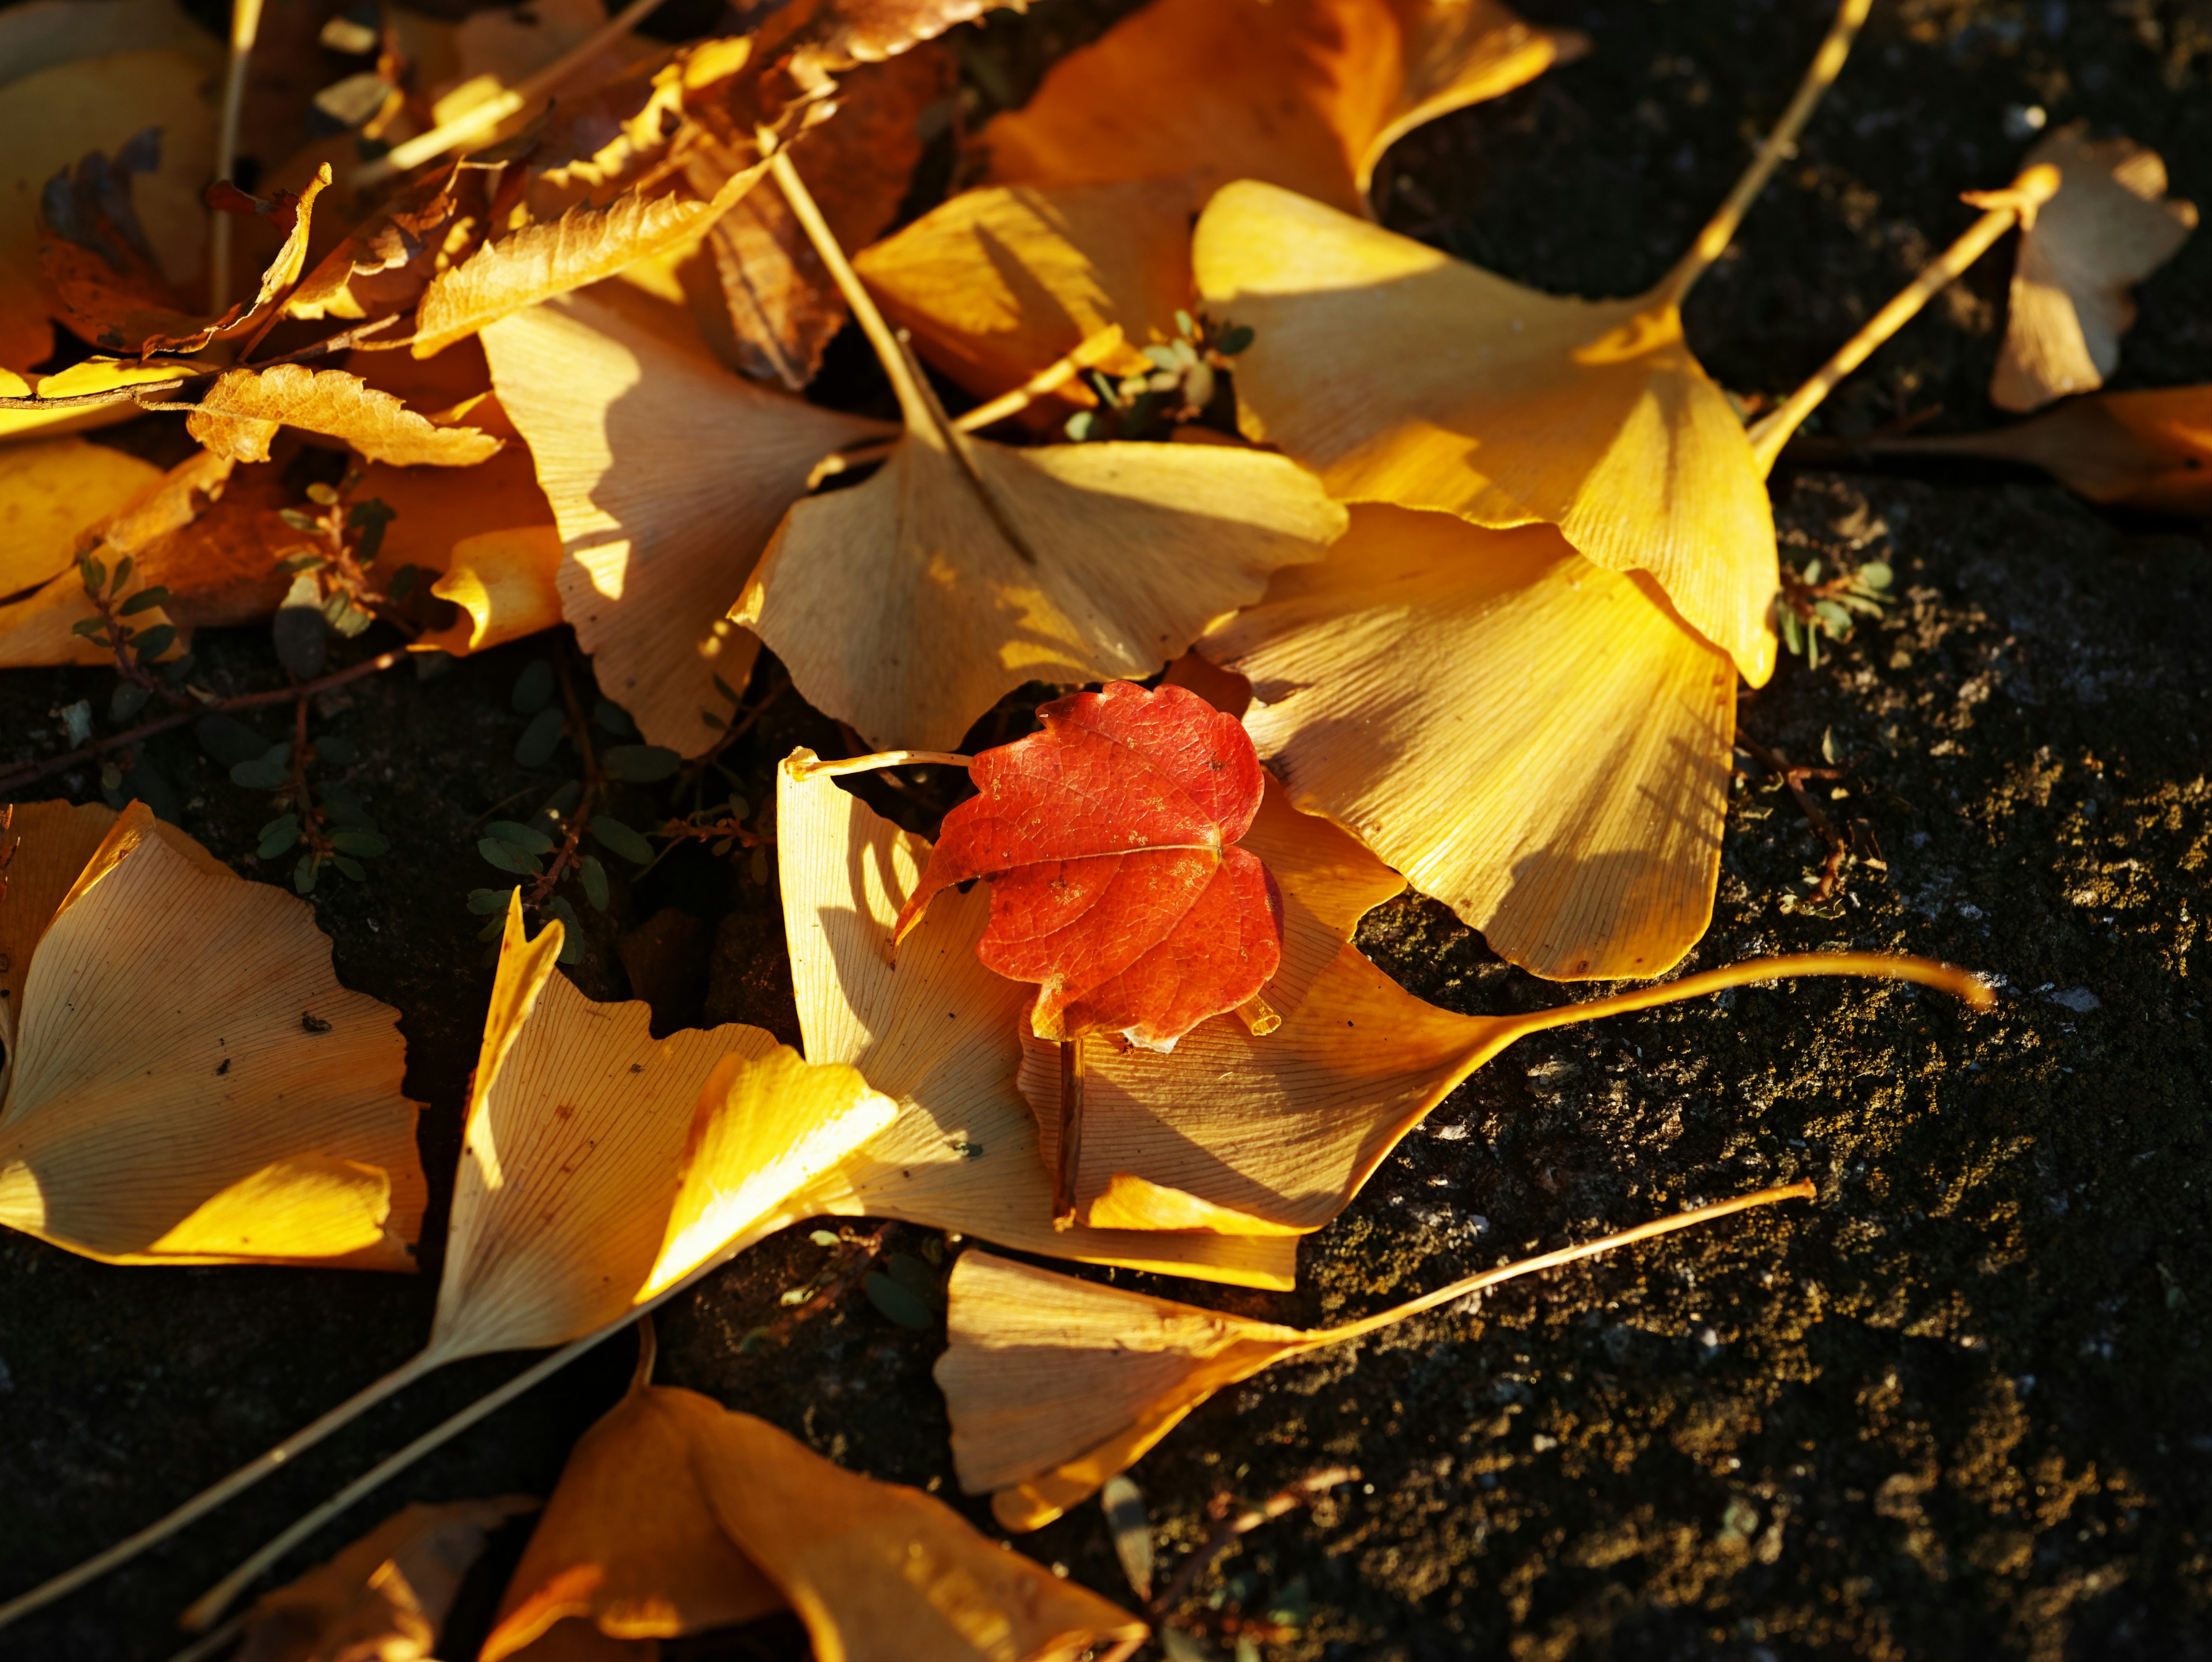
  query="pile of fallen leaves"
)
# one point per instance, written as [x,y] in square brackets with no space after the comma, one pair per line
[516,325]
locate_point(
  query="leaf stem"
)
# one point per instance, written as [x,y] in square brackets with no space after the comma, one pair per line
[1720,230]
[2004,210]
[819,769]
[245,26]
[31,772]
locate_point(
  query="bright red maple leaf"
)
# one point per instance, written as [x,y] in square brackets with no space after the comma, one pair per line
[1110,839]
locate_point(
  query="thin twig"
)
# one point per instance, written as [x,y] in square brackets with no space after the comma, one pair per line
[245,25]
[1795,775]
[595,780]
[30,772]
[1303,1492]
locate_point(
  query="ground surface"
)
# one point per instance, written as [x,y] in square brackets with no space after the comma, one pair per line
[1960,1406]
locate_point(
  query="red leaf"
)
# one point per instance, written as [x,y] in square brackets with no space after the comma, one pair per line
[1109,840]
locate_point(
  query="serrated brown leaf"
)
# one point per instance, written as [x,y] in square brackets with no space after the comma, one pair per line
[241,412]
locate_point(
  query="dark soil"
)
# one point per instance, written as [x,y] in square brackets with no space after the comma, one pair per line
[1960,1406]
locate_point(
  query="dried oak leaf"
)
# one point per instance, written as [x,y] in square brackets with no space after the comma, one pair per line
[167,1099]
[2150,450]
[1497,717]
[239,414]
[657,537]
[1055,1386]
[935,1030]
[2109,227]
[52,118]
[674,1515]
[383,1598]
[1111,843]
[1092,186]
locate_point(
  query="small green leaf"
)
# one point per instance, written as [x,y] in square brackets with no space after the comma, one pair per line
[1082,425]
[93,574]
[572,943]
[126,700]
[369,518]
[616,720]
[260,773]
[1184,326]
[306,560]
[303,874]
[366,845]
[534,688]
[323,495]
[508,857]
[403,582]
[540,738]
[1837,620]
[91,628]
[122,576]
[515,835]
[917,1278]
[1233,341]
[177,668]
[493,930]
[1812,573]
[723,687]
[1792,637]
[483,901]
[279,837]
[595,881]
[1875,574]
[144,600]
[617,838]
[352,868]
[299,519]
[713,720]
[898,1302]
[823,1237]
[343,805]
[641,764]
[151,644]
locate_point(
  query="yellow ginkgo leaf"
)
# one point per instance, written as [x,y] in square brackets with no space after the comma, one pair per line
[1536,741]
[1056,1384]
[91,376]
[50,119]
[187,1081]
[674,1515]
[384,1598]
[1085,215]
[2108,227]
[597,1165]
[934,1029]
[907,604]
[2150,449]
[667,474]
[1277,1133]
[50,491]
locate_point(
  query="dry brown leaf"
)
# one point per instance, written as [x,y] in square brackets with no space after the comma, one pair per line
[1055,1384]
[657,538]
[239,414]
[1502,721]
[1092,186]
[675,1515]
[2109,227]
[2150,450]
[933,1029]
[52,119]
[278,282]
[385,1598]
[383,265]
[188,1082]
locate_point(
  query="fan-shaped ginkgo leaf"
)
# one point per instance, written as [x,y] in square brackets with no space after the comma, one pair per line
[1083,219]
[934,1029]
[188,1083]
[1109,840]
[2108,227]
[2150,449]
[667,474]
[50,119]
[1247,1135]
[385,1598]
[1536,741]
[1056,1384]
[1402,375]
[907,604]
[674,1514]
[52,490]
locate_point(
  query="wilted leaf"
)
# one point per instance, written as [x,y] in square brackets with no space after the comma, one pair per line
[2108,227]
[2150,450]
[659,539]
[385,1598]
[1497,716]
[240,413]
[674,1515]
[935,1030]
[384,263]
[277,282]
[169,1101]
[1056,1384]
[1110,839]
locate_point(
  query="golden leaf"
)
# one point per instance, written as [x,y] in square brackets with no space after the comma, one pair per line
[2109,227]
[935,1031]
[240,413]
[1538,742]
[658,537]
[188,1082]
[2150,450]
[277,282]
[91,376]
[1056,1384]
[52,491]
